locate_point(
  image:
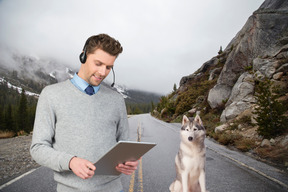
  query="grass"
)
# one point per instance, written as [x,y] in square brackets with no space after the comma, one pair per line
[6,134]
[275,154]
[229,139]
[245,144]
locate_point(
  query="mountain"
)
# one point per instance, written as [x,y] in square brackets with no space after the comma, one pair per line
[33,74]
[223,89]
[259,50]
[261,45]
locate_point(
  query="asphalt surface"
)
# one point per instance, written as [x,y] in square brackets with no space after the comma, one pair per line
[226,170]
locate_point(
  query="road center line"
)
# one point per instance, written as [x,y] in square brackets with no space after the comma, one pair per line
[140,177]
[140,174]
[132,180]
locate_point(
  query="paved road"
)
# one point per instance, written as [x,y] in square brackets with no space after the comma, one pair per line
[226,170]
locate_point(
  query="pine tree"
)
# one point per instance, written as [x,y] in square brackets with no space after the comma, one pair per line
[9,121]
[174,87]
[2,122]
[220,51]
[23,113]
[152,106]
[270,112]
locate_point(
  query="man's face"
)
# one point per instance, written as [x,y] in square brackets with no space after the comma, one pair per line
[97,66]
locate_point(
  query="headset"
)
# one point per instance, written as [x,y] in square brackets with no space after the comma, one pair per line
[83,58]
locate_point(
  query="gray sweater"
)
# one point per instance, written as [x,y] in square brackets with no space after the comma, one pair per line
[71,123]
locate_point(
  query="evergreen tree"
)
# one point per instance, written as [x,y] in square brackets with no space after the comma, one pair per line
[9,121]
[31,116]
[174,87]
[2,122]
[220,51]
[152,106]
[270,112]
[23,114]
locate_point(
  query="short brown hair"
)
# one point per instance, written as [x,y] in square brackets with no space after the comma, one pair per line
[103,42]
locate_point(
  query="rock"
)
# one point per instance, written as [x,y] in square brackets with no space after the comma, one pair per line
[265,66]
[243,89]
[241,97]
[278,75]
[182,86]
[212,62]
[221,128]
[283,68]
[272,141]
[218,94]
[248,113]
[155,113]
[258,75]
[284,141]
[185,79]
[214,72]
[258,37]
[233,110]
[192,111]
[265,143]
[164,113]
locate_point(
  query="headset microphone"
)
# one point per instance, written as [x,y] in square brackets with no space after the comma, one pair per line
[112,85]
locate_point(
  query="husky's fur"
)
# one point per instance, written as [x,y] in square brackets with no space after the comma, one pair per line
[190,160]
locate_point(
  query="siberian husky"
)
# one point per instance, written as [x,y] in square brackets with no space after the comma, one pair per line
[190,160]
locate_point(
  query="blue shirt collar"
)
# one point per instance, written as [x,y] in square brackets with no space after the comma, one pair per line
[81,84]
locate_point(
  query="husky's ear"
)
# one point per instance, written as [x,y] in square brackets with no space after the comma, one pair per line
[185,120]
[198,120]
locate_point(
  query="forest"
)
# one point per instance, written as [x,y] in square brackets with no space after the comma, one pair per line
[17,111]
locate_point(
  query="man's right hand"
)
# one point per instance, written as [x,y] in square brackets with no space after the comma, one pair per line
[82,168]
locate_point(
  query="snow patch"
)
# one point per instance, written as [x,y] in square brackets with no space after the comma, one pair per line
[19,89]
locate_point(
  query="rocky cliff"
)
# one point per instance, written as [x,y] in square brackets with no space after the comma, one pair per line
[261,46]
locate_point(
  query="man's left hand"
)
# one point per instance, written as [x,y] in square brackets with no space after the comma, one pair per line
[128,167]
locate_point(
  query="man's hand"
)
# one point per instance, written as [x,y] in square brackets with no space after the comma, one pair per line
[82,168]
[128,167]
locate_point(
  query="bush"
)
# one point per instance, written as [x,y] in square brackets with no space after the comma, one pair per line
[245,144]
[270,112]
[228,139]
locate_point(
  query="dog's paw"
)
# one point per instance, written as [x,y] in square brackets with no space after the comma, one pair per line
[175,186]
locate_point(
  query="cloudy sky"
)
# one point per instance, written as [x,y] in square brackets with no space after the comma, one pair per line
[163,40]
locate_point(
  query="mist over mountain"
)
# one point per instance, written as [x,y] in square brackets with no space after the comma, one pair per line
[33,74]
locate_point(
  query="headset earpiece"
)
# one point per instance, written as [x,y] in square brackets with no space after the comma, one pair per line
[83,56]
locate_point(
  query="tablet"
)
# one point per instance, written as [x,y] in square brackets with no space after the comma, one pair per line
[120,153]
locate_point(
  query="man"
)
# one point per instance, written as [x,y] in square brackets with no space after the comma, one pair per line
[78,120]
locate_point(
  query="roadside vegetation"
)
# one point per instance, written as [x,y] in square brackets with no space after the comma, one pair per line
[246,132]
